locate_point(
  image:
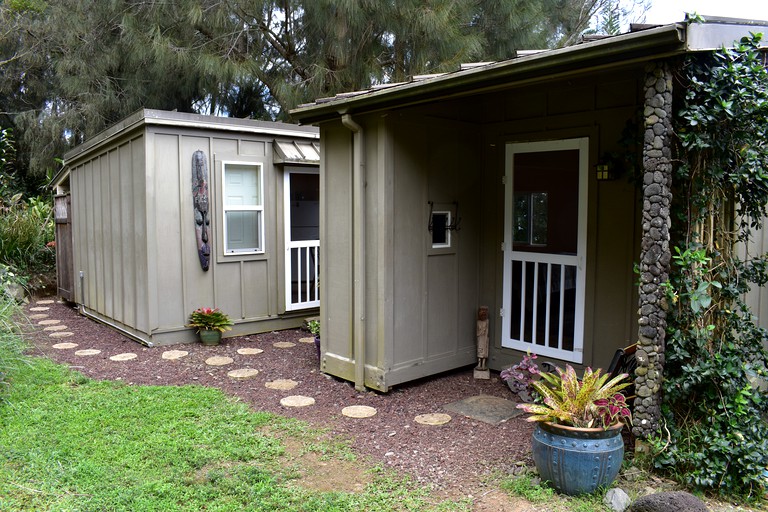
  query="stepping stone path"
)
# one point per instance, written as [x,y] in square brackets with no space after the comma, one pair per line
[41,308]
[46,301]
[174,354]
[61,334]
[49,322]
[284,344]
[437,418]
[281,384]
[124,357]
[88,352]
[243,374]
[297,401]
[306,340]
[64,346]
[55,328]
[358,411]
[38,316]
[219,361]
[249,351]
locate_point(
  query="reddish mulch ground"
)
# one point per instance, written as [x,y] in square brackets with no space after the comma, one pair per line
[458,457]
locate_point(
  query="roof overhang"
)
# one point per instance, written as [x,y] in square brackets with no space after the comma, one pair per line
[149,117]
[612,52]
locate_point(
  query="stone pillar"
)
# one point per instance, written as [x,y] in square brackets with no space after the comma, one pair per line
[655,254]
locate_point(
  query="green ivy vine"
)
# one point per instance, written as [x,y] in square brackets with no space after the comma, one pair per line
[716,433]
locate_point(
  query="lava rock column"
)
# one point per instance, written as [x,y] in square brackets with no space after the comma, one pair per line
[655,255]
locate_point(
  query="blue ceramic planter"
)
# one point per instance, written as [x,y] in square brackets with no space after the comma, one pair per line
[577,460]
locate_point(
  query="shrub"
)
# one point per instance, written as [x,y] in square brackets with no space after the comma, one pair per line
[26,233]
[718,437]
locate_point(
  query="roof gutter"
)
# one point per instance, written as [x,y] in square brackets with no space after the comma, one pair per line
[646,45]
[358,250]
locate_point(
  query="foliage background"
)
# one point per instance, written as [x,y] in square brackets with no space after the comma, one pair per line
[717,434]
[70,68]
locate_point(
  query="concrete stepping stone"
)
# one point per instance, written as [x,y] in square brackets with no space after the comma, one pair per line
[46,301]
[436,418]
[127,356]
[359,411]
[88,352]
[53,328]
[38,316]
[297,401]
[174,354]
[219,361]
[64,346]
[61,334]
[40,308]
[249,351]
[485,408]
[307,340]
[283,344]
[52,321]
[243,374]
[281,384]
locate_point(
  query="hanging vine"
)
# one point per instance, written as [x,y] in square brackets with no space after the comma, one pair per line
[716,354]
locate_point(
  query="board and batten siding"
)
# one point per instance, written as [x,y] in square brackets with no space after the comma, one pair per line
[134,237]
[757,297]
[243,286]
[420,302]
[110,234]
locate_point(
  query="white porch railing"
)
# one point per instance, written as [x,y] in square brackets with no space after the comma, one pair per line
[303,275]
[544,309]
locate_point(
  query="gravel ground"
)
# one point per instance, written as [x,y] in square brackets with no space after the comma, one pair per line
[457,458]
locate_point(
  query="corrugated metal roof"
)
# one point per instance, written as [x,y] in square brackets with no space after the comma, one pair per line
[296,152]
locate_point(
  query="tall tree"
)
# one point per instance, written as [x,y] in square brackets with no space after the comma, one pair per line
[70,68]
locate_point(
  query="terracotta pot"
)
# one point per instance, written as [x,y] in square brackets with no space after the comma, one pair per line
[210,336]
[577,460]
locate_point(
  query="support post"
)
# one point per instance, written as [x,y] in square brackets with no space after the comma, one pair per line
[655,254]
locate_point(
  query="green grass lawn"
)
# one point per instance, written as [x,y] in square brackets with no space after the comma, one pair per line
[70,443]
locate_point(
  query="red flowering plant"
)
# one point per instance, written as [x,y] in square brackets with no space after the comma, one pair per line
[594,401]
[212,319]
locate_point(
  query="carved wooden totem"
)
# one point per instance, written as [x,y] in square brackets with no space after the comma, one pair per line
[200,202]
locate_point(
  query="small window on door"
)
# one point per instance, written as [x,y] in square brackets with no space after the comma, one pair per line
[243,208]
[441,232]
[530,218]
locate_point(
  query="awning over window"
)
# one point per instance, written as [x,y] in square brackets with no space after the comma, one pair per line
[296,152]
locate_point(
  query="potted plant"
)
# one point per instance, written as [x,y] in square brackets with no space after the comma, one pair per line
[577,444]
[210,324]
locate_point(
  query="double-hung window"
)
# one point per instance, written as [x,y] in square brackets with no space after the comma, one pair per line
[243,208]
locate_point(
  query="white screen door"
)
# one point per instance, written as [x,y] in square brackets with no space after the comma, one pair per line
[545,221]
[302,240]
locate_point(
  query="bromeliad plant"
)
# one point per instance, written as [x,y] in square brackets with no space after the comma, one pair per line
[212,319]
[594,401]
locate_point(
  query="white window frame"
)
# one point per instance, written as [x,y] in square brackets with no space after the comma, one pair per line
[242,208]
